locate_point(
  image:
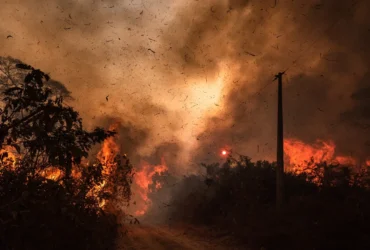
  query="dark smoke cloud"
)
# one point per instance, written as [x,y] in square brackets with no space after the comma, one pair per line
[321,43]
[129,138]
[98,51]
[169,152]
[101,48]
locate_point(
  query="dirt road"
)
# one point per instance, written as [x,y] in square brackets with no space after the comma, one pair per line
[166,238]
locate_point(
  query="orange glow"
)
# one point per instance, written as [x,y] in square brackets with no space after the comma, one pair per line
[368,163]
[224,152]
[108,151]
[11,159]
[346,160]
[51,173]
[143,179]
[298,154]
[106,156]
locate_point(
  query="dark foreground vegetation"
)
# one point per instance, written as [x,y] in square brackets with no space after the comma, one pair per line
[326,209]
[49,199]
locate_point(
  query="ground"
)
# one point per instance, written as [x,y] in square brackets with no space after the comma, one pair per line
[158,237]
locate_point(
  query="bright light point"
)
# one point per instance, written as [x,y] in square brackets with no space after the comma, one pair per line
[224,152]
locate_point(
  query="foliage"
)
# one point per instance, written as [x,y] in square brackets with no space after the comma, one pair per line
[42,214]
[327,208]
[42,127]
[49,198]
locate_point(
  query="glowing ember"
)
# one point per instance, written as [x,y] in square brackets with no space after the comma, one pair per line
[224,152]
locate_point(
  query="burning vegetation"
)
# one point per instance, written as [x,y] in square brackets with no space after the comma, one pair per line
[49,197]
[54,195]
[143,181]
[196,83]
[238,198]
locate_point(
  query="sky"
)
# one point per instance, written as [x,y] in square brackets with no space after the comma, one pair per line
[185,79]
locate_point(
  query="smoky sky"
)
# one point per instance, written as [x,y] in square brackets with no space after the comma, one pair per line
[321,44]
[189,78]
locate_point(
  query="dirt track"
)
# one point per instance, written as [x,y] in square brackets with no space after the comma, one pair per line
[163,237]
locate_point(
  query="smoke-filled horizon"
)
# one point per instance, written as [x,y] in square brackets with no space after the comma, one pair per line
[187,79]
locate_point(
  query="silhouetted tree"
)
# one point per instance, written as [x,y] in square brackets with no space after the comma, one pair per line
[37,123]
[42,212]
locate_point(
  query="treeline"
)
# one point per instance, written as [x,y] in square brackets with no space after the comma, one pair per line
[325,208]
[49,199]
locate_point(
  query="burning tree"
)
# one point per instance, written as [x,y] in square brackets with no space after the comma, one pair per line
[49,199]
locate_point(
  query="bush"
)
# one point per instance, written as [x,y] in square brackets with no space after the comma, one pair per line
[49,199]
[328,211]
[37,213]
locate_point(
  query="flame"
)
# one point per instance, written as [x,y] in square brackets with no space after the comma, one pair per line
[52,173]
[11,159]
[106,155]
[143,179]
[109,149]
[298,153]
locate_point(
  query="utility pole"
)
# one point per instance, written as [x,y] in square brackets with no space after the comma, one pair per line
[280,145]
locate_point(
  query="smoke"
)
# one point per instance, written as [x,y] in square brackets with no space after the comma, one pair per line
[321,44]
[187,79]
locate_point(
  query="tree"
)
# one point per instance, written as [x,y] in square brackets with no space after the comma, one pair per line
[38,123]
[45,211]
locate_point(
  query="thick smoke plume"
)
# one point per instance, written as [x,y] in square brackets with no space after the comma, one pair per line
[187,79]
[321,45]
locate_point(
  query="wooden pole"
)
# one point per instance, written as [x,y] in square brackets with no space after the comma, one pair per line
[280,145]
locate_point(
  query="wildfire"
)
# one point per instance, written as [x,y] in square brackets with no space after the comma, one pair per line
[51,173]
[106,155]
[143,178]
[108,151]
[142,181]
[299,153]
[8,157]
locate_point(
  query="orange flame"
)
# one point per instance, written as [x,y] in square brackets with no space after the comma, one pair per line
[299,153]
[143,179]
[11,159]
[51,173]
[107,153]
[109,150]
